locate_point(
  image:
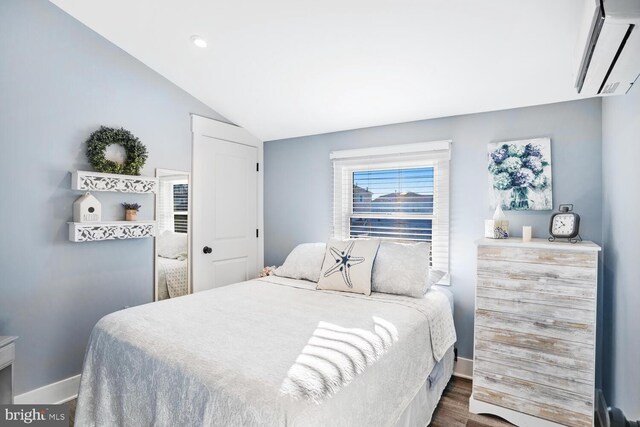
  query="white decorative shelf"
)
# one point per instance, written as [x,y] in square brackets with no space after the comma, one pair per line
[112,230]
[96,181]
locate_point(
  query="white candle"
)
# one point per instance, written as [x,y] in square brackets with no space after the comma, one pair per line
[526,233]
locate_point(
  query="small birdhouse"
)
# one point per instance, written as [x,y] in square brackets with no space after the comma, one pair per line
[87,209]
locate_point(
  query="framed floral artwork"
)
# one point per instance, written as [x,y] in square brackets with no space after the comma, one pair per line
[520,175]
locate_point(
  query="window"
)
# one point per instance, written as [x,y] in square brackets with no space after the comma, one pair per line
[393,203]
[399,192]
[180,207]
[173,204]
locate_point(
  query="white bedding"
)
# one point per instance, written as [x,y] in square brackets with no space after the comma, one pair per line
[224,357]
[172,277]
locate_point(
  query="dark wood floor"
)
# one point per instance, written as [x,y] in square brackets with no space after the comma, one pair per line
[452,411]
[72,412]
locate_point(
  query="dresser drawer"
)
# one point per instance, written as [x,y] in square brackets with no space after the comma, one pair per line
[540,373]
[534,392]
[584,369]
[541,326]
[538,256]
[559,288]
[535,298]
[578,351]
[547,412]
[525,271]
[528,308]
[7,354]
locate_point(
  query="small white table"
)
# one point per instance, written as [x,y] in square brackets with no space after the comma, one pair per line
[7,356]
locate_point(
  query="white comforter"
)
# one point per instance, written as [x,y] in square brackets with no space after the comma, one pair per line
[172,277]
[270,351]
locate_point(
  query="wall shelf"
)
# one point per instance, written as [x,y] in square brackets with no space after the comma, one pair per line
[96,181]
[111,230]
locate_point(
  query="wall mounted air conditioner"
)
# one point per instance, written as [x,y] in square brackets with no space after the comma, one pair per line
[610,61]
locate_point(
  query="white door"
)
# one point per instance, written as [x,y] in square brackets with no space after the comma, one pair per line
[225,209]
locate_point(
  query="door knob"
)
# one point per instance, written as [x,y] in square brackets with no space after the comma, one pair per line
[207,250]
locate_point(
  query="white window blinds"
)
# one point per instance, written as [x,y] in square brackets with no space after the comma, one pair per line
[398,192]
[173,204]
[165,206]
[180,207]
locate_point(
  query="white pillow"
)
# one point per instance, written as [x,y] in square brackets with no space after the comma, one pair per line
[172,245]
[434,277]
[304,262]
[402,269]
[348,265]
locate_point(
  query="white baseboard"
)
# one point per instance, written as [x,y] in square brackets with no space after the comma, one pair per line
[463,368]
[51,394]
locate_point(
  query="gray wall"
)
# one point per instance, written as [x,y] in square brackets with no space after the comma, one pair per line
[298,182]
[621,235]
[58,82]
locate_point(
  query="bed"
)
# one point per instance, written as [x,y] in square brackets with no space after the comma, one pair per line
[270,351]
[172,265]
[172,277]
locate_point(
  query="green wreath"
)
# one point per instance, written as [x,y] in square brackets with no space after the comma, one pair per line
[99,141]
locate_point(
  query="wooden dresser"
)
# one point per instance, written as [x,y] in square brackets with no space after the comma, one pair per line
[535,323]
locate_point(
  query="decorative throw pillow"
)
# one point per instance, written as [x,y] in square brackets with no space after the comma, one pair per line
[304,262]
[347,266]
[402,269]
[172,245]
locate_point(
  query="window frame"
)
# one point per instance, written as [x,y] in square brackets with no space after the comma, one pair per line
[436,154]
[165,203]
[388,215]
[174,212]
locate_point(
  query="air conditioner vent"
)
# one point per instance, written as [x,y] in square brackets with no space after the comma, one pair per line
[610,59]
[609,88]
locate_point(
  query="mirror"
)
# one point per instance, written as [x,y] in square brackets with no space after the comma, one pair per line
[173,238]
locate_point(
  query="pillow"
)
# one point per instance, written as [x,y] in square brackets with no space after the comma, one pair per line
[347,266]
[304,262]
[434,277]
[172,245]
[402,269]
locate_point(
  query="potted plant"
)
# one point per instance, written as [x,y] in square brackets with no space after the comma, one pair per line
[131,211]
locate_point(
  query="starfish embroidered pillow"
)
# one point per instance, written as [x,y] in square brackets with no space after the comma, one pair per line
[347,266]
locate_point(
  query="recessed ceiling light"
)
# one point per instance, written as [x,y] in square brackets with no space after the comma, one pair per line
[199,41]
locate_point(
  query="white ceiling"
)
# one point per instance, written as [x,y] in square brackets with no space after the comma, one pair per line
[284,68]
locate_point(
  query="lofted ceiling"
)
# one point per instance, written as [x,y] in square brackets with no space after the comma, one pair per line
[285,68]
